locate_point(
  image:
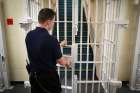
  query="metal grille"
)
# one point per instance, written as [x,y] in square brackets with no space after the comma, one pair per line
[1,63]
[135,77]
[92,43]
[137,73]
[4,81]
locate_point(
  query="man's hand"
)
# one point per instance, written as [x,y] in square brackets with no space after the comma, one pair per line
[63,43]
[68,64]
[65,61]
[68,61]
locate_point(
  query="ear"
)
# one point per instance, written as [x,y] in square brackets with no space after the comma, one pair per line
[47,22]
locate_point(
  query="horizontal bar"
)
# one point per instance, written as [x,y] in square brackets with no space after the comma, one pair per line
[58,65]
[94,62]
[107,22]
[67,87]
[75,70]
[100,81]
[85,44]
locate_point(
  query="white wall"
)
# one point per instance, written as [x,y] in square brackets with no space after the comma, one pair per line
[130,12]
[133,28]
[15,40]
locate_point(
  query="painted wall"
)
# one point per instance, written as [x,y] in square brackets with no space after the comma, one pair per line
[15,40]
[3,49]
[133,27]
[130,12]
[124,52]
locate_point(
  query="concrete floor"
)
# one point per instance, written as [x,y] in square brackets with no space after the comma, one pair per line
[19,88]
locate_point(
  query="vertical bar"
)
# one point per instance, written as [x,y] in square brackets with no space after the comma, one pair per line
[93,74]
[74,19]
[114,5]
[31,8]
[108,44]
[111,34]
[29,11]
[109,13]
[49,4]
[65,79]
[75,84]
[37,5]
[36,13]
[115,41]
[88,45]
[65,18]
[107,63]
[65,36]
[103,51]
[73,16]
[57,4]
[33,13]
[108,41]
[81,39]
[112,46]
[74,54]
[96,29]
[116,55]
[37,8]
[59,68]
[104,46]
[34,10]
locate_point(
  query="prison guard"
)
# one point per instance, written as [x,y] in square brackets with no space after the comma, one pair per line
[43,51]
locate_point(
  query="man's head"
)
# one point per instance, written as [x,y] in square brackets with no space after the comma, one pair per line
[46,18]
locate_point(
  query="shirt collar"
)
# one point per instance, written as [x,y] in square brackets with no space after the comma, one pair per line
[41,29]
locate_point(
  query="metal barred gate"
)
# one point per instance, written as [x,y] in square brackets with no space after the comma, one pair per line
[91,28]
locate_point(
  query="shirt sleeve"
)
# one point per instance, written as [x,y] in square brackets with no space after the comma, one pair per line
[57,49]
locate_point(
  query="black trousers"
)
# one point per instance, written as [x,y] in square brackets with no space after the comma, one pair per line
[45,83]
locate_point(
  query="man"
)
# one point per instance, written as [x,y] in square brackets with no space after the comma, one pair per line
[44,53]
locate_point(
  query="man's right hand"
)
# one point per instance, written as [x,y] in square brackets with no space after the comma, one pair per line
[63,43]
[65,61]
[68,64]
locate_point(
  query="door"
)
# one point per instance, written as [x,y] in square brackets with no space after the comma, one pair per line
[91,30]
[135,81]
[92,44]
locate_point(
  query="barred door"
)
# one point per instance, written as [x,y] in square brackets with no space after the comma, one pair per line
[91,29]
